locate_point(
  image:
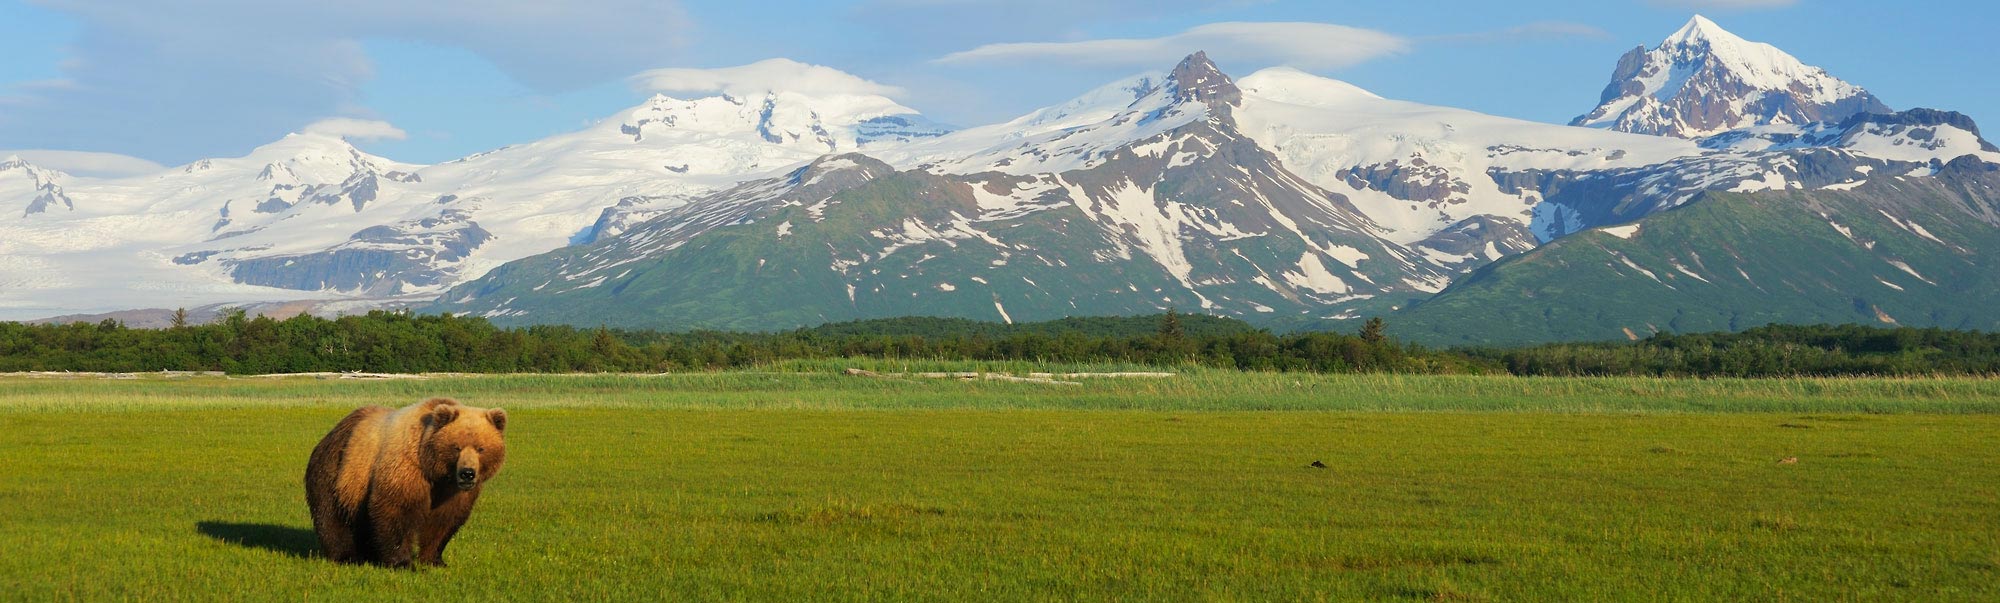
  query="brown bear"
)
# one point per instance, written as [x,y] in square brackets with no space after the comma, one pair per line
[392,487]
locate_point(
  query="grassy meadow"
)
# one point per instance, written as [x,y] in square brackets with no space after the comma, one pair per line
[798,483]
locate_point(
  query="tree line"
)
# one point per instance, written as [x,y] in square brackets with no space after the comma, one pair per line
[1772,350]
[401,342]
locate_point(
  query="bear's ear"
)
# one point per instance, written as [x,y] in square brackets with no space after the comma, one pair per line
[498,417]
[441,415]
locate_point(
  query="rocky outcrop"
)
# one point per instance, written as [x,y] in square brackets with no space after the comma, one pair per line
[379,260]
[44,183]
[1416,181]
[1475,242]
[1197,79]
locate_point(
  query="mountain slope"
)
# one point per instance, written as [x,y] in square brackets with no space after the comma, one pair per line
[1911,250]
[1703,80]
[1189,214]
[311,217]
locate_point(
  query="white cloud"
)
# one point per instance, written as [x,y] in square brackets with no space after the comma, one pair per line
[1532,32]
[760,77]
[1724,4]
[176,81]
[961,23]
[87,163]
[355,129]
[1303,45]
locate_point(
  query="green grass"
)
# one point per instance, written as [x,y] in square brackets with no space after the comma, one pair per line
[818,385]
[784,486]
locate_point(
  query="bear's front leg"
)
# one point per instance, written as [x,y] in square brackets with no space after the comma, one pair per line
[395,535]
[449,509]
[435,539]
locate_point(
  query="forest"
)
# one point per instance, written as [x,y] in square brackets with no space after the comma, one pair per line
[401,342]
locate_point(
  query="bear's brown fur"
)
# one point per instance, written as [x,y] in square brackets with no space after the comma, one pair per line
[393,486]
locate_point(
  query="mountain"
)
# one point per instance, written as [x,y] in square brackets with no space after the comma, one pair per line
[1281,198]
[1703,80]
[113,244]
[1910,249]
[1154,193]
[1162,204]
[309,217]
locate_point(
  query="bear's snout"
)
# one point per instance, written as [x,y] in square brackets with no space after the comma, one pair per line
[468,469]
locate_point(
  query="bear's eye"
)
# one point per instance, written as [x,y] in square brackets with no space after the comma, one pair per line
[479,448]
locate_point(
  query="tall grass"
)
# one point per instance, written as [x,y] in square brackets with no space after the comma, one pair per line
[821,385]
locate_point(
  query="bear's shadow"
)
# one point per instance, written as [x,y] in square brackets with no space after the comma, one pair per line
[286,540]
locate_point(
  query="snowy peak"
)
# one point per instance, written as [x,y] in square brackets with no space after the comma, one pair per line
[1094,106]
[1701,29]
[1086,130]
[825,122]
[1759,65]
[14,164]
[1704,80]
[1291,86]
[1196,79]
[308,158]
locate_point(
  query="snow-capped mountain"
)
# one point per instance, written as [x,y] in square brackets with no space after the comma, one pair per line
[311,217]
[1182,189]
[1703,80]
[1161,203]
[1280,195]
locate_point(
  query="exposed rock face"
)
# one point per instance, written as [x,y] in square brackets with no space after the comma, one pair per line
[629,211]
[1578,200]
[1416,181]
[379,260]
[1916,132]
[1475,242]
[45,185]
[1925,128]
[1704,81]
[1197,79]
[50,196]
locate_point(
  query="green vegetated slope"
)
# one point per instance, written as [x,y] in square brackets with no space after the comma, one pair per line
[1901,251]
[1192,325]
[758,277]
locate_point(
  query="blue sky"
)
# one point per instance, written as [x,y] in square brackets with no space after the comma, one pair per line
[174,82]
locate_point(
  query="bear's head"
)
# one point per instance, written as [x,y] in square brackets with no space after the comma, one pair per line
[462,444]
